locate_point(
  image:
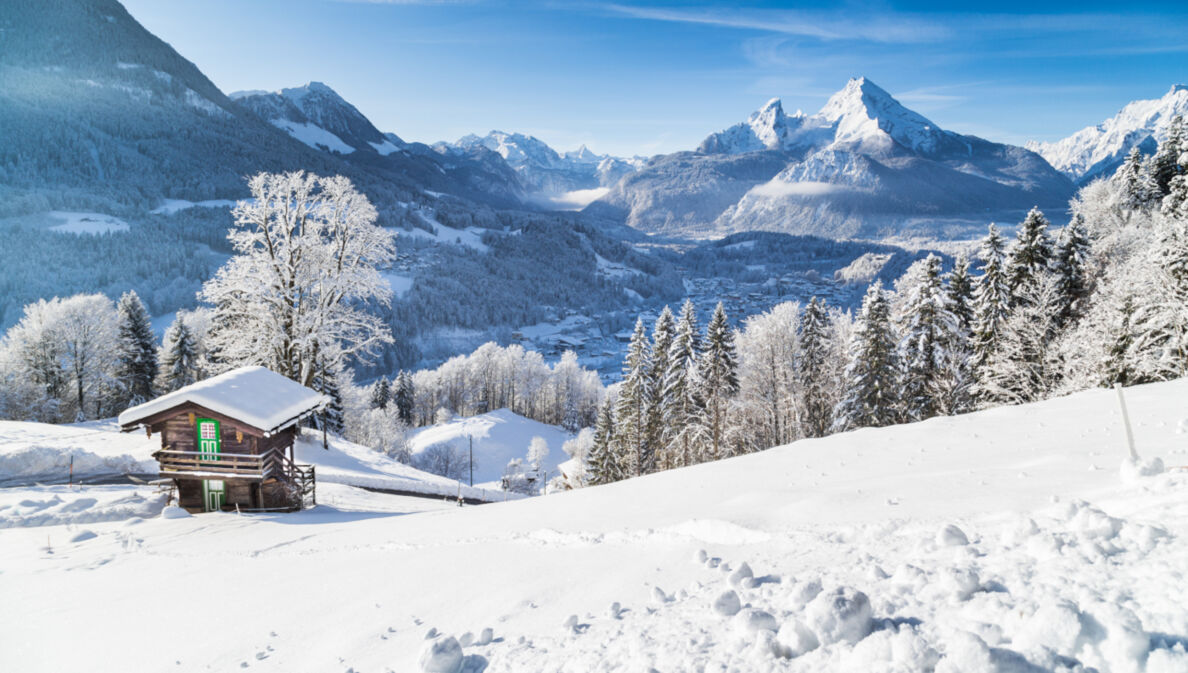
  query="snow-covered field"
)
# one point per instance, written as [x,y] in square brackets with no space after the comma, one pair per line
[1006,540]
[85,223]
[499,436]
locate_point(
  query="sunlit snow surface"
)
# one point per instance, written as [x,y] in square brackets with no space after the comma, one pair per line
[1004,540]
[85,223]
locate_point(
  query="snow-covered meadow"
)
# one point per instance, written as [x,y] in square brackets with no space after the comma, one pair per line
[1005,540]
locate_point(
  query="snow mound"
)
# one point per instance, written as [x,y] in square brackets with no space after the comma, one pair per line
[442,655]
[174,512]
[841,615]
[1135,468]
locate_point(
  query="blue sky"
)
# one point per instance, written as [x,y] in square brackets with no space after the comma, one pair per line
[633,78]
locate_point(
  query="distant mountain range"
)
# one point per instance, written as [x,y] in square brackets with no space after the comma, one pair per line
[863,166]
[1097,151]
[543,170]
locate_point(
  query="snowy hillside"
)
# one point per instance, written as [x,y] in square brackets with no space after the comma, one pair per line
[499,436]
[1005,540]
[864,165]
[1099,150]
[316,115]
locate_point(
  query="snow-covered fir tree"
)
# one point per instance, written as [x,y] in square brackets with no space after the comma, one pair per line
[179,357]
[1167,163]
[682,402]
[663,334]
[1159,350]
[604,466]
[631,410]
[959,285]
[812,370]
[1139,188]
[1069,267]
[403,396]
[870,396]
[1175,204]
[1029,255]
[1115,366]
[991,300]
[136,360]
[332,417]
[928,332]
[719,380]
[381,393]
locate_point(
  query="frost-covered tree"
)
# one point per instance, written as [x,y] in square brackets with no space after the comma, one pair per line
[719,379]
[579,448]
[292,297]
[991,300]
[1024,367]
[870,395]
[179,356]
[812,370]
[604,466]
[68,348]
[538,452]
[682,385]
[1069,267]
[1115,365]
[381,393]
[136,359]
[1029,256]
[631,410]
[929,332]
[768,386]
[332,417]
[1160,322]
[1175,204]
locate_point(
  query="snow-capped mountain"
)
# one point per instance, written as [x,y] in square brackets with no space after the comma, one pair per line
[1099,150]
[316,115]
[543,169]
[864,165]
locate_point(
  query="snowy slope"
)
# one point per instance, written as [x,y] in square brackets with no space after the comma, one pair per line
[863,166]
[499,436]
[1000,541]
[1099,150]
[316,115]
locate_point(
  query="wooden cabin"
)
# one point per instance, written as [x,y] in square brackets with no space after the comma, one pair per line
[227,441]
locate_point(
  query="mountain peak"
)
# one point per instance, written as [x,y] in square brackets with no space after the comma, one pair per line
[864,112]
[1176,88]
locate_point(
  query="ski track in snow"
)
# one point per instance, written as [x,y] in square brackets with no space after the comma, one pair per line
[987,542]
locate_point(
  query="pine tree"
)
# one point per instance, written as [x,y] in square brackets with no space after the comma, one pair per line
[1068,264]
[1030,255]
[682,401]
[1139,188]
[1160,323]
[959,285]
[404,396]
[812,370]
[663,334]
[719,379]
[1165,164]
[929,330]
[631,410]
[870,397]
[991,300]
[330,418]
[381,393]
[136,367]
[1115,367]
[604,465]
[1175,204]
[179,357]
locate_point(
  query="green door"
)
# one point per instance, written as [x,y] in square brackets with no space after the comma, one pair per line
[210,445]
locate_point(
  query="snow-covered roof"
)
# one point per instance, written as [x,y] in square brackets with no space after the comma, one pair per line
[256,396]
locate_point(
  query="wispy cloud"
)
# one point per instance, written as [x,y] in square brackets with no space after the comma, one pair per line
[833,26]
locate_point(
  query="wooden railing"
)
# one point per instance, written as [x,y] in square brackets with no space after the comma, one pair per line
[231,464]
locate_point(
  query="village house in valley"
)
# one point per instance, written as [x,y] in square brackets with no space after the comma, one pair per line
[227,441]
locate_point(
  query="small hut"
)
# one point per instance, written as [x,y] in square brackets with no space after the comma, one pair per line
[227,441]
